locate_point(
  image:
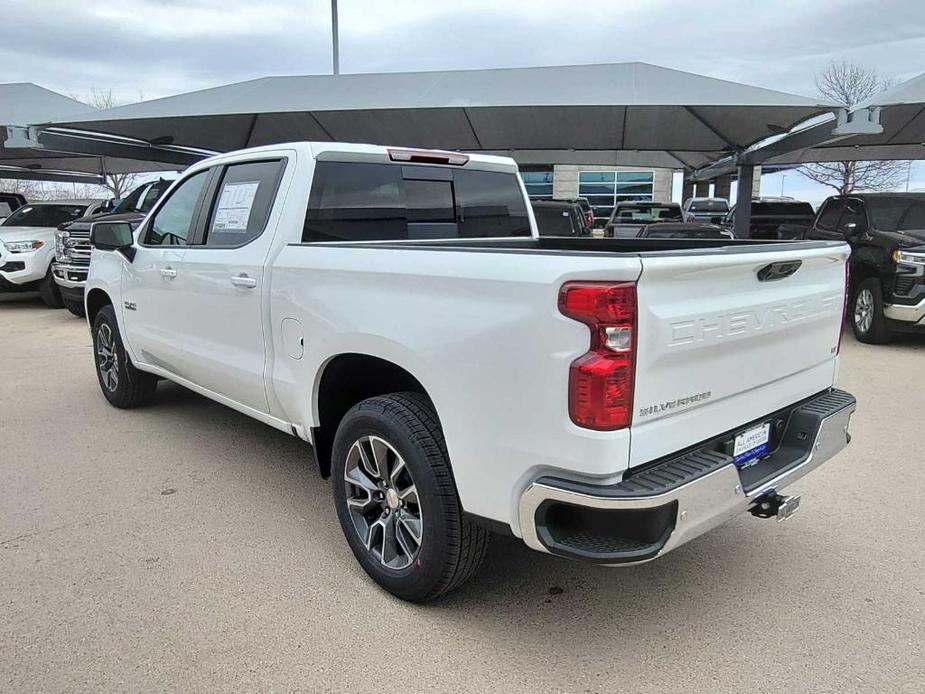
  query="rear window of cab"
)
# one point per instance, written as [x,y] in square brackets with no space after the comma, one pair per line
[358,201]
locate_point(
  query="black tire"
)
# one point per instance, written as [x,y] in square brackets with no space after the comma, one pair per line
[451,548]
[49,291]
[866,315]
[75,307]
[130,387]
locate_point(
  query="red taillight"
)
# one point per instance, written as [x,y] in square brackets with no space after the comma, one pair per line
[601,381]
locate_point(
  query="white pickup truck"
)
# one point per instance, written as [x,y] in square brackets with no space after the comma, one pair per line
[606,400]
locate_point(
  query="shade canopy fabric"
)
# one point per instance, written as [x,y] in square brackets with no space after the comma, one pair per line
[22,104]
[630,113]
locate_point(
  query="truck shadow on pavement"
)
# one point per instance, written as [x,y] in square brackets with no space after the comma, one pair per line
[515,583]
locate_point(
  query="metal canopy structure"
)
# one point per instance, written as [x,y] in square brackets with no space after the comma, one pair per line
[890,125]
[625,113]
[24,103]
[900,111]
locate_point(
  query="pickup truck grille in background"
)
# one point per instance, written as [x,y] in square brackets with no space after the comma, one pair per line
[80,254]
[904,285]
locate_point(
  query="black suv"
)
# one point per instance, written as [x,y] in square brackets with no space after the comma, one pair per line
[886,232]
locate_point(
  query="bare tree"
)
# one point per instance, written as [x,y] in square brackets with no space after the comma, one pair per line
[31,190]
[849,84]
[116,184]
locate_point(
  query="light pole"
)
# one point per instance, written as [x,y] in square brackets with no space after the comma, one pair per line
[334,41]
[782,177]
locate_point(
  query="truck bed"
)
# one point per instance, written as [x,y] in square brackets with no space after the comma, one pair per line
[593,246]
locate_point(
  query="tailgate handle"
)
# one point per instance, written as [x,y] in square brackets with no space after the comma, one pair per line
[778,271]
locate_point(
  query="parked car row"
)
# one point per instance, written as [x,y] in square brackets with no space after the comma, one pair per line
[27,245]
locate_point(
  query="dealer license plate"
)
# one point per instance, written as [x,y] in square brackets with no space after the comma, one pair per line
[751,445]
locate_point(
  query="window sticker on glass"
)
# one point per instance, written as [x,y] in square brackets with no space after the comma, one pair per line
[234,207]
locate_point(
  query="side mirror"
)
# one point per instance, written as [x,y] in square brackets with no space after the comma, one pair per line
[113,236]
[107,205]
[852,230]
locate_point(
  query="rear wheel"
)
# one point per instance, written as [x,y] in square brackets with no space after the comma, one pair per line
[867,317]
[396,499]
[49,291]
[75,307]
[123,385]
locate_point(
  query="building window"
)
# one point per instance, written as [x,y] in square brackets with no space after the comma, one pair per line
[604,189]
[538,183]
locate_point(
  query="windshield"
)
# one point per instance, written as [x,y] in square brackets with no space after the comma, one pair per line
[709,206]
[143,197]
[897,213]
[641,214]
[44,215]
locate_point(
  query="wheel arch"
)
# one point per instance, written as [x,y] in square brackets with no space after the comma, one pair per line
[346,379]
[95,301]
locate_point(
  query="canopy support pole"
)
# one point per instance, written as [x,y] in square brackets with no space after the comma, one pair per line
[335,44]
[743,214]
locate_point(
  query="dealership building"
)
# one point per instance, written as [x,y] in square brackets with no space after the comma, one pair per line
[603,186]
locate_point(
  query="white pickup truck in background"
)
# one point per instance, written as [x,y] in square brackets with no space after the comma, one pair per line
[605,400]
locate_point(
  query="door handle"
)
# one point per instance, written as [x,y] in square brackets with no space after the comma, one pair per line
[244,281]
[168,273]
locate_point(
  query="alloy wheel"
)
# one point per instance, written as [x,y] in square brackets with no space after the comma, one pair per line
[107,357]
[383,503]
[864,310]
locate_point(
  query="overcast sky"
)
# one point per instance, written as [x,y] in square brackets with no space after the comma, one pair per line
[153,48]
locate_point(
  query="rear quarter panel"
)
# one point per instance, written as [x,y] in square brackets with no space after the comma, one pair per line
[480,330]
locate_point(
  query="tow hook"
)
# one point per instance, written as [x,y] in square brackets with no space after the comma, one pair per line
[774,505]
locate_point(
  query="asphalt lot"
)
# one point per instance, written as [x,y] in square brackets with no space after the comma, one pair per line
[186,547]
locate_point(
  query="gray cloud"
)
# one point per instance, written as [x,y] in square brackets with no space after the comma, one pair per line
[157,47]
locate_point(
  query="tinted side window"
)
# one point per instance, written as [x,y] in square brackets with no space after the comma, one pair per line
[355,202]
[831,212]
[854,214]
[172,224]
[242,203]
[490,204]
[553,221]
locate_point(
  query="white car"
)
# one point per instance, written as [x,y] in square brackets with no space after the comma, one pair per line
[27,245]
[602,399]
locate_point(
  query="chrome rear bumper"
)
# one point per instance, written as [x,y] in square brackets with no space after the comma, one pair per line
[681,498]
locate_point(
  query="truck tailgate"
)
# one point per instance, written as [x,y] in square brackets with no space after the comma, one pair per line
[728,336]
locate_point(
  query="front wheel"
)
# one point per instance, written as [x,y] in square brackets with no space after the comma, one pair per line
[396,499]
[867,319]
[75,307]
[123,385]
[49,291]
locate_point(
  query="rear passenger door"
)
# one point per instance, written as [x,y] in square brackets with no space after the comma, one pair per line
[224,270]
